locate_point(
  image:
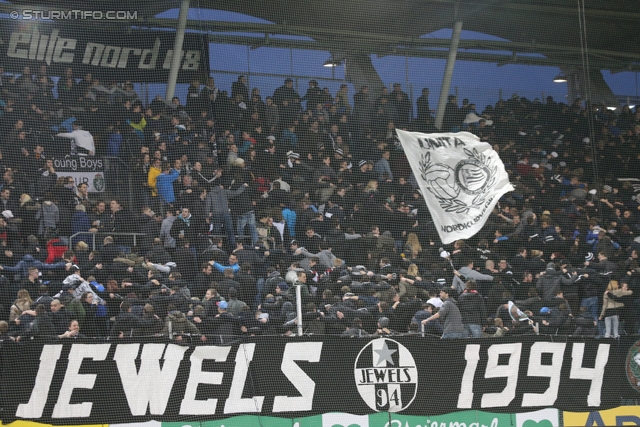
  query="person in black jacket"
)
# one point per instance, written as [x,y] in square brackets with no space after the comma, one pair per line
[59,316]
[185,227]
[223,323]
[109,251]
[520,263]
[430,328]
[403,310]
[355,330]
[153,324]
[186,262]
[240,88]
[126,322]
[452,116]
[91,322]
[158,254]
[248,290]
[313,94]
[41,326]
[473,310]
[120,221]
[242,207]
[149,225]
[73,331]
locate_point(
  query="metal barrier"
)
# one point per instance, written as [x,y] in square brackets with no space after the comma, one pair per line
[103,234]
[93,237]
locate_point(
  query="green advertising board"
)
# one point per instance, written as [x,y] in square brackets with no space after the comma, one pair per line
[543,418]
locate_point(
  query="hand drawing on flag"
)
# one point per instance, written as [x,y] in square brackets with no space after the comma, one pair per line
[474,176]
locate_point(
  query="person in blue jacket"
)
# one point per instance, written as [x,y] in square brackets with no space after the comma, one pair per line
[233,264]
[164,183]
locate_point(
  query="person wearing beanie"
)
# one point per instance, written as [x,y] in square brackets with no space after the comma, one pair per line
[551,281]
[450,314]
[224,324]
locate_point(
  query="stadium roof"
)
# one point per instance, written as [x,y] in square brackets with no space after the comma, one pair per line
[539,32]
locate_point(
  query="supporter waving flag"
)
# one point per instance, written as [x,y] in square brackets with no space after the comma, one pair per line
[460,177]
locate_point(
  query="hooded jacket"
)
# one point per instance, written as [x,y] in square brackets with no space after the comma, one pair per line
[218,199]
[472,308]
[176,323]
[552,281]
[49,216]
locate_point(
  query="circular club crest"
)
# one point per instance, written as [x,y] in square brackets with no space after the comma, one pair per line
[471,175]
[386,375]
[632,366]
[98,182]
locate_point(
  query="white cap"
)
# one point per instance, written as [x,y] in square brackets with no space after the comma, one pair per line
[535,166]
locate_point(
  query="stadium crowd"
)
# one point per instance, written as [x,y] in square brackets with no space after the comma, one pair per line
[232,191]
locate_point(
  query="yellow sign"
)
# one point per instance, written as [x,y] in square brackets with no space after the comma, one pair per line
[621,416]
[34,424]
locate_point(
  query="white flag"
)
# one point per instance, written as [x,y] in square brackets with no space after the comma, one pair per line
[461,179]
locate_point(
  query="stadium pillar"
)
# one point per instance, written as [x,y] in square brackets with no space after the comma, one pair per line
[448,73]
[177,49]
[299,307]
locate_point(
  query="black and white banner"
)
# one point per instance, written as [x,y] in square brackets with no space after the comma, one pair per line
[98,382]
[143,56]
[461,179]
[83,169]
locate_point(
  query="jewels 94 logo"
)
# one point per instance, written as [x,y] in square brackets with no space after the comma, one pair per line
[462,187]
[386,375]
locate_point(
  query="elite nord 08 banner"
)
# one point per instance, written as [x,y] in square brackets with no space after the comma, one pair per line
[91,382]
[141,56]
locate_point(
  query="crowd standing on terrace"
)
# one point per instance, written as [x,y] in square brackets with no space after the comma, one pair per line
[234,189]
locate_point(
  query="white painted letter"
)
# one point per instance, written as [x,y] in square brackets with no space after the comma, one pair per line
[189,405]
[471,355]
[18,38]
[310,352]
[510,371]
[73,380]
[594,374]
[151,386]
[537,369]
[48,359]
[235,403]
